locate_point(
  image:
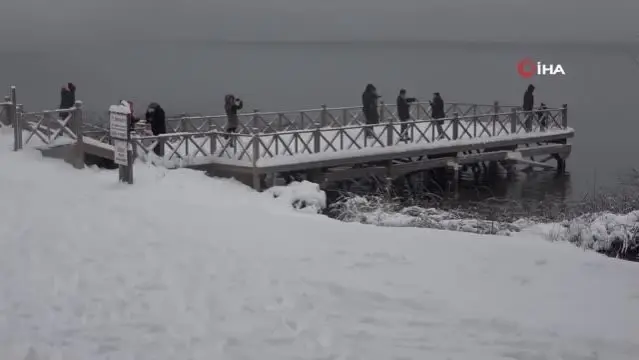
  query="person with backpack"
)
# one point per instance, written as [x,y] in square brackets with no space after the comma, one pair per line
[157,118]
[231,106]
[403,112]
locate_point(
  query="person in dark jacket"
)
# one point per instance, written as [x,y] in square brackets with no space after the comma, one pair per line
[67,99]
[132,118]
[438,112]
[156,116]
[403,112]
[370,107]
[542,115]
[529,103]
[231,106]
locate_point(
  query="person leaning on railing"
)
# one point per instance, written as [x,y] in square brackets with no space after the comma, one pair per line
[67,99]
[542,114]
[156,116]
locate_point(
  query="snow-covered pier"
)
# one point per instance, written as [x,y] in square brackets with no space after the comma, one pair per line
[325,144]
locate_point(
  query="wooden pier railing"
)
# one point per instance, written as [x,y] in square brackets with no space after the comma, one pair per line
[198,147]
[265,138]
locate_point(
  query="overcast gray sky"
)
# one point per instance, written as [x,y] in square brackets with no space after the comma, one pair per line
[26,21]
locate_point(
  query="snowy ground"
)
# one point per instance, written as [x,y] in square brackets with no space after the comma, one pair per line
[180,266]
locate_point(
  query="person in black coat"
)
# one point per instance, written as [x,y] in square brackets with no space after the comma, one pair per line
[403,112]
[529,103]
[542,114]
[438,112]
[67,99]
[231,106]
[156,117]
[369,107]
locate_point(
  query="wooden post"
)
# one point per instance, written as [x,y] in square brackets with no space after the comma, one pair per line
[15,120]
[213,143]
[390,129]
[495,117]
[382,106]
[513,121]
[257,184]
[455,125]
[564,116]
[317,137]
[125,172]
[475,120]
[78,148]
[255,117]
[324,116]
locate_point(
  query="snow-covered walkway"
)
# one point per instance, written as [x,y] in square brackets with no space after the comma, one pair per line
[181,266]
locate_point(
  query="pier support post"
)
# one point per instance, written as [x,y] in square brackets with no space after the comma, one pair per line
[78,147]
[564,116]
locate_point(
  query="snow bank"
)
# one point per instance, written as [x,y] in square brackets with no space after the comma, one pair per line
[600,232]
[181,266]
[378,211]
[305,196]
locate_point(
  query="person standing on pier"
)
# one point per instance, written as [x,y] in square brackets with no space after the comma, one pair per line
[231,106]
[529,103]
[542,114]
[156,116]
[438,112]
[369,108]
[403,112]
[67,99]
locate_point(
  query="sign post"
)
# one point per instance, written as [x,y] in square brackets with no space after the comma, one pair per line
[121,137]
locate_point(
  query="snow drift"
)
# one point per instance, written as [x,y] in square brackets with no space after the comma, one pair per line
[181,266]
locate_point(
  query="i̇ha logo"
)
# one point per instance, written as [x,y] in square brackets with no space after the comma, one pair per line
[528,67]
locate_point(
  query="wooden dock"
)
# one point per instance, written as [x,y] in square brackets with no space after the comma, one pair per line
[326,145]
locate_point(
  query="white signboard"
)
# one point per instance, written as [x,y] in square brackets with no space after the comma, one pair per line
[120,154]
[118,125]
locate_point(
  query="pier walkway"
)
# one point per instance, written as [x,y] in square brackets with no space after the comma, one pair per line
[327,144]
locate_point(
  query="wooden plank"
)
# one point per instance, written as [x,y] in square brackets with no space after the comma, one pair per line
[354,173]
[545,149]
[400,170]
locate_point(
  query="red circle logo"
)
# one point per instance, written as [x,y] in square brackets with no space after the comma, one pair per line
[526,68]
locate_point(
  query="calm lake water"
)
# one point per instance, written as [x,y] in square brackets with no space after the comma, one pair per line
[600,86]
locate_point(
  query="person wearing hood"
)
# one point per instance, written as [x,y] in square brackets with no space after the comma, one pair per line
[438,112]
[67,99]
[370,107]
[157,118]
[231,106]
[529,103]
[403,112]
